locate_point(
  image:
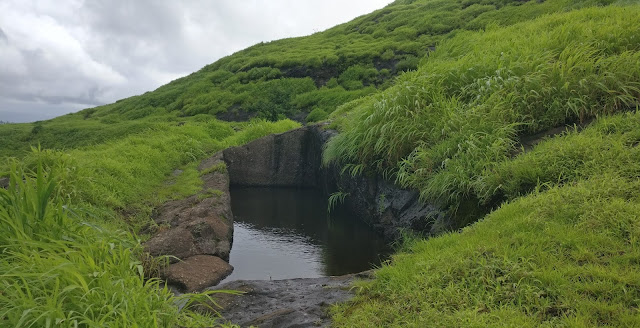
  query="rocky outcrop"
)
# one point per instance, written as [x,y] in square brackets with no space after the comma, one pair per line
[294,158]
[387,207]
[284,303]
[200,225]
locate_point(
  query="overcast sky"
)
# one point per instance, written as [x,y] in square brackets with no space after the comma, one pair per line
[60,56]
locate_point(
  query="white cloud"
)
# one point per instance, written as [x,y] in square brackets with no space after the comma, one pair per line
[80,53]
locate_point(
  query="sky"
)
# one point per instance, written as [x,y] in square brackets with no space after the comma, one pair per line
[61,56]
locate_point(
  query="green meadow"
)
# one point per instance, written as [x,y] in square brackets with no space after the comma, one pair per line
[436,95]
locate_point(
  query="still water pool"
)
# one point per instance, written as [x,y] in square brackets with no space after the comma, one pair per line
[284,233]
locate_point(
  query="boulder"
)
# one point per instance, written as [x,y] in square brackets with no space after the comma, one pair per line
[177,242]
[208,221]
[197,273]
[4,183]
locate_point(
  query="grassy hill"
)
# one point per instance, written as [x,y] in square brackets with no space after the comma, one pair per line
[438,95]
[303,78]
[560,246]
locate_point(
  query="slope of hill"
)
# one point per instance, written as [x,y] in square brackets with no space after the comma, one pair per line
[559,247]
[303,78]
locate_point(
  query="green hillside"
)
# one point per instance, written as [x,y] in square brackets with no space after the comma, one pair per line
[562,249]
[439,96]
[302,78]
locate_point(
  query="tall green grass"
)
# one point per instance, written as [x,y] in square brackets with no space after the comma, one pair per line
[562,250]
[61,267]
[608,146]
[126,178]
[565,257]
[64,258]
[463,111]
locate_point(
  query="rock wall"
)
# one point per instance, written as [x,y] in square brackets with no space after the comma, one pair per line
[279,160]
[294,158]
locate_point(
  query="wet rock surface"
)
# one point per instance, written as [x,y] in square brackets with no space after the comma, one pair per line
[387,207]
[285,303]
[198,225]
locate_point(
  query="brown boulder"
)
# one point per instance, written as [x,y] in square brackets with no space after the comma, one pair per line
[197,273]
[177,242]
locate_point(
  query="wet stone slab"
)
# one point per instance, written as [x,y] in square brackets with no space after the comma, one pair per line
[285,303]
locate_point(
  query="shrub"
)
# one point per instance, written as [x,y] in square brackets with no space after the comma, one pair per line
[316,115]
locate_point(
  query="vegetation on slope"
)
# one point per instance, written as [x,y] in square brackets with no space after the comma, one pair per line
[292,77]
[566,255]
[66,258]
[563,249]
[324,70]
[442,128]
[61,268]
[561,252]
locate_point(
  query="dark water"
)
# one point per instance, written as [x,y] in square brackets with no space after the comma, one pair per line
[285,233]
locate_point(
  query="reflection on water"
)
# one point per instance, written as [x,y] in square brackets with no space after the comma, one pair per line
[285,233]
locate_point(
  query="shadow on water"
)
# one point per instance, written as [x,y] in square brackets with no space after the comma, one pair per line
[284,233]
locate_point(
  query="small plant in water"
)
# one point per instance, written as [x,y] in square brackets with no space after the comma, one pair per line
[336,197]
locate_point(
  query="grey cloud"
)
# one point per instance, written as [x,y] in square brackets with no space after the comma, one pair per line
[22,112]
[87,99]
[91,52]
[134,32]
[3,37]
